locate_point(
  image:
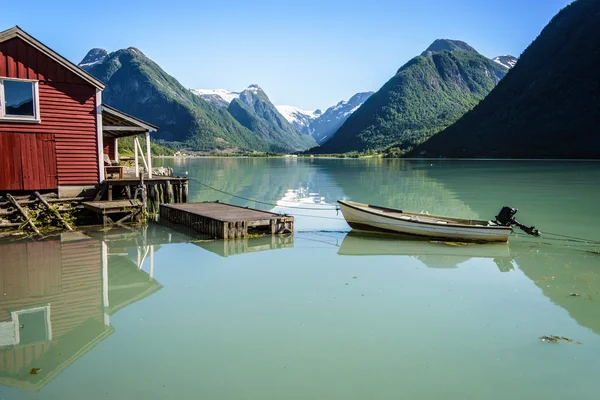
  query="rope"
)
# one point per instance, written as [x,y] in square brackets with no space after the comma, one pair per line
[261,201]
[572,238]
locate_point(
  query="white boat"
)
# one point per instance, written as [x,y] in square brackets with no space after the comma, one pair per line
[373,218]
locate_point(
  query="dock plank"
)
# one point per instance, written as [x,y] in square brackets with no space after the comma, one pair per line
[225,212]
[224,220]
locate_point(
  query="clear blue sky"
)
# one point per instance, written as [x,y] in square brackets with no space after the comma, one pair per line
[309,54]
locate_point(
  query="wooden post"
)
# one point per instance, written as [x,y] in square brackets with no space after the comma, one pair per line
[160,194]
[52,210]
[169,192]
[149,155]
[136,157]
[144,197]
[27,219]
[184,198]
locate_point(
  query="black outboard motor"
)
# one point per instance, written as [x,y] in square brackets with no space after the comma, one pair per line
[506,217]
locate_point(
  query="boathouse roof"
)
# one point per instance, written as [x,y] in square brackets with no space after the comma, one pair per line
[16,32]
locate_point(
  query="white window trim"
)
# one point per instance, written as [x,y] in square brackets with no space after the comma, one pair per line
[36,102]
[15,317]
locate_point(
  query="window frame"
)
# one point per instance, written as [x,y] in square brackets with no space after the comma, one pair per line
[15,317]
[35,119]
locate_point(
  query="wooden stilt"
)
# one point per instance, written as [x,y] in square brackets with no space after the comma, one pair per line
[185,192]
[169,192]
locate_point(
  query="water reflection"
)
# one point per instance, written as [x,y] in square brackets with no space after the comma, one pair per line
[567,275]
[54,308]
[58,297]
[281,182]
[316,305]
[311,210]
[433,254]
[237,246]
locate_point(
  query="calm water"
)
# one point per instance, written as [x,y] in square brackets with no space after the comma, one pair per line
[322,314]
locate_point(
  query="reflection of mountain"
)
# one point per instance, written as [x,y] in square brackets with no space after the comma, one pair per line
[59,296]
[390,183]
[255,178]
[23,108]
[433,254]
[397,184]
[560,272]
[551,195]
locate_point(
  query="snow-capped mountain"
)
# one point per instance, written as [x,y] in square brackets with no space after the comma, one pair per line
[219,97]
[94,56]
[300,119]
[324,127]
[506,61]
[254,110]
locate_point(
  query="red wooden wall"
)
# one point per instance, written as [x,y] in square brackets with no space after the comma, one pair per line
[67,111]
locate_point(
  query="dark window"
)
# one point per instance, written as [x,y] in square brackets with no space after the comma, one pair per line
[19,99]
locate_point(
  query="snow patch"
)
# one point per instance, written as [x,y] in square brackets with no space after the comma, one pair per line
[224,94]
[91,63]
[506,61]
[352,110]
[294,114]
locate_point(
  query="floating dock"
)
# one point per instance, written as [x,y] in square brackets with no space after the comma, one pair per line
[225,221]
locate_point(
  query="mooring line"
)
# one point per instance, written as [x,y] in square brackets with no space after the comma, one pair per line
[572,238]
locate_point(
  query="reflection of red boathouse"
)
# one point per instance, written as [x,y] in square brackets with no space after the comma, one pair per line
[56,304]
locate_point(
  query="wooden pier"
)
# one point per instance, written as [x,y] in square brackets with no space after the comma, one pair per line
[225,221]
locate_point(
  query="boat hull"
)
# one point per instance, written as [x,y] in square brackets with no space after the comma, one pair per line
[362,217]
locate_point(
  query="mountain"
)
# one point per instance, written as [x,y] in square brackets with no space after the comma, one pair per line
[427,94]
[219,97]
[300,119]
[324,127]
[94,56]
[254,110]
[548,106]
[506,61]
[447,45]
[138,86]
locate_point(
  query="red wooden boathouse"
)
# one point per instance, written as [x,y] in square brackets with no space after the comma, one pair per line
[51,120]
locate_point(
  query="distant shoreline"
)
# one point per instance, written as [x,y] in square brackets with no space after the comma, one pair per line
[335,157]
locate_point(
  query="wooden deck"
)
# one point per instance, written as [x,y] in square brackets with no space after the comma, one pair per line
[225,221]
[108,210]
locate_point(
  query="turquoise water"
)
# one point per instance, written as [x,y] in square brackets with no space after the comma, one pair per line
[323,313]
